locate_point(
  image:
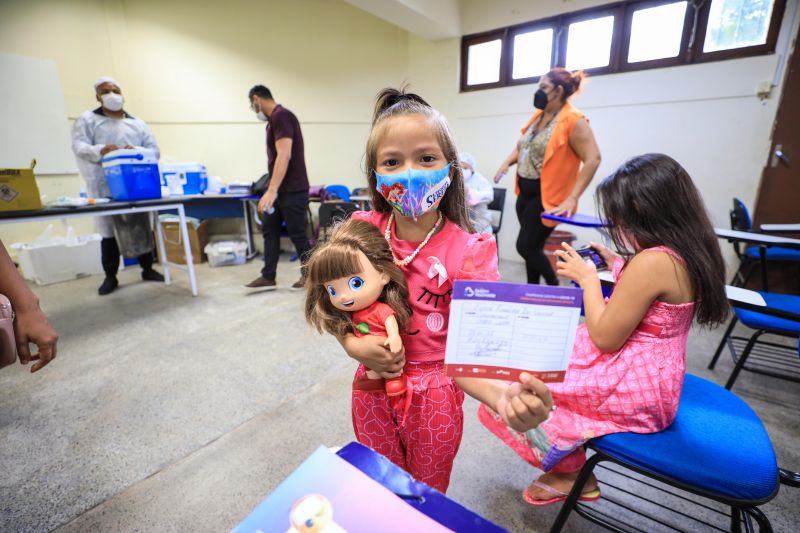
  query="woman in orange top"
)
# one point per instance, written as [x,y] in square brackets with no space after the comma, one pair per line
[556,158]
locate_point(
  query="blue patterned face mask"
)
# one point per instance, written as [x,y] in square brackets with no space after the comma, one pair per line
[414,192]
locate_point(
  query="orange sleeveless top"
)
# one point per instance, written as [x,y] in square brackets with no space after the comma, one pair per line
[561,164]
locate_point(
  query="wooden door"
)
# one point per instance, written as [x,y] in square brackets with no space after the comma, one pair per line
[778,200]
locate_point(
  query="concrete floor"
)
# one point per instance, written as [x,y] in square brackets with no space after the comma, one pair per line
[165,412]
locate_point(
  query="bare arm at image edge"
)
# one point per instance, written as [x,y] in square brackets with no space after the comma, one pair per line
[30,324]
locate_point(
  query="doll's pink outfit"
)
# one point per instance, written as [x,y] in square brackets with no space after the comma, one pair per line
[635,389]
[426,443]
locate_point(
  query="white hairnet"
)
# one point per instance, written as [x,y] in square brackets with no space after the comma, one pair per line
[467,158]
[104,79]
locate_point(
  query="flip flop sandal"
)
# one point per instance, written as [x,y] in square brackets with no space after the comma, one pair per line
[558,496]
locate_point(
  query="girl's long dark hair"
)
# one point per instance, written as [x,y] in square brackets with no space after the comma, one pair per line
[392,103]
[651,201]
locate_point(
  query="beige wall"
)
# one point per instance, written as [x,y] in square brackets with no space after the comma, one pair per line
[185,68]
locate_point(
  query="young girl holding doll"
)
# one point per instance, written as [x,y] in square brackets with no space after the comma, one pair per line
[629,359]
[418,203]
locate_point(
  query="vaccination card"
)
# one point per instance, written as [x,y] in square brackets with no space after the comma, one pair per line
[498,330]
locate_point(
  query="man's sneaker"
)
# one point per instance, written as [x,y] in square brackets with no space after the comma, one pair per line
[299,285]
[262,283]
[108,286]
[152,275]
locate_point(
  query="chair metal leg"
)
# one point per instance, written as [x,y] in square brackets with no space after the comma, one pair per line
[745,277]
[764,525]
[736,520]
[574,494]
[738,279]
[723,342]
[742,358]
[762,254]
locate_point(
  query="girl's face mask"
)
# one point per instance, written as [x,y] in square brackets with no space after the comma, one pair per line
[413,193]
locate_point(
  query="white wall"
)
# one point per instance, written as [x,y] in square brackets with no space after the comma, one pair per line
[185,68]
[706,116]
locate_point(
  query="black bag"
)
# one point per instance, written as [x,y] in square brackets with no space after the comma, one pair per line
[259,187]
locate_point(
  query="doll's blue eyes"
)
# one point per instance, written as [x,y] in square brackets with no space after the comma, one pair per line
[331,290]
[356,283]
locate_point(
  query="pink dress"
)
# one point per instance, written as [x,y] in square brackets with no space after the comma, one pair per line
[635,389]
[426,440]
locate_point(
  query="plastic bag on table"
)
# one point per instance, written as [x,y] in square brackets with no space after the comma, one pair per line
[134,234]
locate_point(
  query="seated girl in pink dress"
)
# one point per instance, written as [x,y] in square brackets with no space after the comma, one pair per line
[629,359]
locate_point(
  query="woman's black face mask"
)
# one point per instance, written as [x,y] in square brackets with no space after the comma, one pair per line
[540,99]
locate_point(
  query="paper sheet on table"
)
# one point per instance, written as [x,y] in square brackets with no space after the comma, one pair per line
[498,330]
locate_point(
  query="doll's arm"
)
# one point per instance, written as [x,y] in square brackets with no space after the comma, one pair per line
[394,342]
[371,352]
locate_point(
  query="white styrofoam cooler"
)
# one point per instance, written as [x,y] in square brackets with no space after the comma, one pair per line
[223,253]
[60,260]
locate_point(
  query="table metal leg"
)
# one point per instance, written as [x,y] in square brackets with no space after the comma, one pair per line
[162,251]
[248,226]
[187,249]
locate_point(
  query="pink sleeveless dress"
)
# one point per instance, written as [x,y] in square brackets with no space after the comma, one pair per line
[636,388]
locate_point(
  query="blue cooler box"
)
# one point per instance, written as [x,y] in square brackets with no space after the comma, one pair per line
[132,175]
[193,176]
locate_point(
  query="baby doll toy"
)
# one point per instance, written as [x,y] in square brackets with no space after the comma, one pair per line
[353,286]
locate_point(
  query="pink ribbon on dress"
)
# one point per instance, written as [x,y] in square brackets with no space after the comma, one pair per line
[437,269]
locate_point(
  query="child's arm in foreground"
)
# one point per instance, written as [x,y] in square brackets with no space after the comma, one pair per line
[522,405]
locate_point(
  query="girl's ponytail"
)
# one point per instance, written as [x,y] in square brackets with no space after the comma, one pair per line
[390,97]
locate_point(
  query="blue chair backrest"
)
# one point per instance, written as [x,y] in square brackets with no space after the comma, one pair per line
[341,192]
[740,216]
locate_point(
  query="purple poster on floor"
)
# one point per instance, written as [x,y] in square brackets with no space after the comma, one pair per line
[326,494]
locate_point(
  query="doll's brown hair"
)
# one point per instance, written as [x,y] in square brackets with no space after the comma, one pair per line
[338,258]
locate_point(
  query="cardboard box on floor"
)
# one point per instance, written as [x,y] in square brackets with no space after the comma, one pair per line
[18,189]
[173,242]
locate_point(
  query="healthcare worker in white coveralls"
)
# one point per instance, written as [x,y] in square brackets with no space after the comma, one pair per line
[479,194]
[95,134]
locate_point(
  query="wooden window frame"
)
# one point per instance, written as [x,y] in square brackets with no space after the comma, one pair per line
[615,10]
[680,59]
[768,47]
[481,38]
[544,24]
[690,52]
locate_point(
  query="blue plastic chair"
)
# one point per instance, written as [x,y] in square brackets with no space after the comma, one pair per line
[771,358]
[716,448]
[341,192]
[750,256]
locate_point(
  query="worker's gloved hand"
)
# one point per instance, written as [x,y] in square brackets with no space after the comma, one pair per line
[108,148]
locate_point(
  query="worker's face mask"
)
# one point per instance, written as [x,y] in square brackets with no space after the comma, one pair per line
[112,101]
[256,106]
[467,173]
[540,99]
[414,192]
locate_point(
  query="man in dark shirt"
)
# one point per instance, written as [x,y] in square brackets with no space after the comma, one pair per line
[286,199]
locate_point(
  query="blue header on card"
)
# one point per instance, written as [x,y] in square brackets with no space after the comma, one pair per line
[517,293]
